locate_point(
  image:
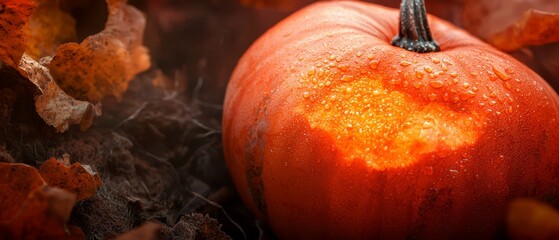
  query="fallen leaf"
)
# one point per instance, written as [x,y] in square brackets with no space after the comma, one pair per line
[148,231]
[29,209]
[13,16]
[485,18]
[532,220]
[77,179]
[103,64]
[43,215]
[17,181]
[47,28]
[53,105]
[533,28]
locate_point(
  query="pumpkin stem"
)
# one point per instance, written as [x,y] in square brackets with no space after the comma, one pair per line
[414,34]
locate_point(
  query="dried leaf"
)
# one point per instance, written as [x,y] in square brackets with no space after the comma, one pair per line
[17,181]
[485,18]
[148,231]
[530,219]
[47,28]
[76,178]
[13,16]
[29,209]
[43,215]
[534,28]
[53,105]
[103,64]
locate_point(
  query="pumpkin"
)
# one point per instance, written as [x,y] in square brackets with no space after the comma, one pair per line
[334,129]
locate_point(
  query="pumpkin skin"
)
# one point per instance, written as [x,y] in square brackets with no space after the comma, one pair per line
[330,132]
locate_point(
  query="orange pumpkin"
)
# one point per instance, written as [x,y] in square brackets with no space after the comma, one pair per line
[330,132]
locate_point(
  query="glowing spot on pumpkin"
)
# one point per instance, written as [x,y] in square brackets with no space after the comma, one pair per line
[386,128]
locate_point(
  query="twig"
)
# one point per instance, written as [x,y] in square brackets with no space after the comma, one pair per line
[131,117]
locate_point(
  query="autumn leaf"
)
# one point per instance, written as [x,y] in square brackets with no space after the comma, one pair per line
[43,215]
[47,28]
[54,106]
[17,181]
[533,28]
[13,17]
[103,64]
[75,178]
[29,209]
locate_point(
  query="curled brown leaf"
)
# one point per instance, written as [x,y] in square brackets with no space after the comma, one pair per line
[103,64]
[75,178]
[47,28]
[29,209]
[53,105]
[13,17]
[17,181]
[533,28]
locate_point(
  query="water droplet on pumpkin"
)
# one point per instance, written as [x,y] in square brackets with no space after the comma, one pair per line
[332,57]
[509,70]
[405,63]
[345,78]
[428,69]
[428,125]
[359,54]
[432,97]
[306,95]
[503,76]
[320,72]
[435,60]
[417,85]
[311,72]
[419,74]
[467,95]
[436,84]
[373,64]
[509,109]
[395,81]
[508,86]
[453,74]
